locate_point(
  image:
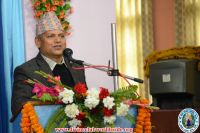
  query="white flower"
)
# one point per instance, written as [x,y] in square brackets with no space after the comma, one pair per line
[92,99]
[123,109]
[71,110]
[91,102]
[74,123]
[110,119]
[94,93]
[66,96]
[108,102]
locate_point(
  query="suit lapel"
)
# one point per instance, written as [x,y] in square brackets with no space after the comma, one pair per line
[43,64]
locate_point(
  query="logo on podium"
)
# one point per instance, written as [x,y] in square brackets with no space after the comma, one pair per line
[188,120]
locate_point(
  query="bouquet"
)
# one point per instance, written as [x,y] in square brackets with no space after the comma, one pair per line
[83,107]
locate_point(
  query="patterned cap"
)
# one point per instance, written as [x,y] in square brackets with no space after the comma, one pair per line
[49,21]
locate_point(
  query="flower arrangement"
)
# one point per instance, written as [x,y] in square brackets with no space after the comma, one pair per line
[83,107]
[62,9]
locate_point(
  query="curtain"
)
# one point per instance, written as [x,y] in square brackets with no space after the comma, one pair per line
[187,21]
[12,54]
[147,39]
[134,38]
[1,75]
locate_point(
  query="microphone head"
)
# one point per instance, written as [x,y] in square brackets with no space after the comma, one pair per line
[68,53]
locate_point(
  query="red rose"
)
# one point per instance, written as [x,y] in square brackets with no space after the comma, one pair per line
[80,116]
[80,88]
[107,112]
[103,93]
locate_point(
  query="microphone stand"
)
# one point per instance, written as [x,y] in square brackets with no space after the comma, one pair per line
[110,71]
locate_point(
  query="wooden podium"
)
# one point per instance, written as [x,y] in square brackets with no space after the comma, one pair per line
[166,121]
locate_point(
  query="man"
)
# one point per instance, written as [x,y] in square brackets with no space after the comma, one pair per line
[50,40]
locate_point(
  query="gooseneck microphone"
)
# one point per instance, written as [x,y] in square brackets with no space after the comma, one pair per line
[111,72]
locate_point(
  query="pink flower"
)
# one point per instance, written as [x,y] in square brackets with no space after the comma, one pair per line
[58,88]
[53,92]
[39,89]
[57,78]
[52,79]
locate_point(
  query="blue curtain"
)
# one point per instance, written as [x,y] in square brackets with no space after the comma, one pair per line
[11,55]
[1,75]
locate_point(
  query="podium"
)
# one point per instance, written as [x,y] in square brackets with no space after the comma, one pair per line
[166,121]
[44,112]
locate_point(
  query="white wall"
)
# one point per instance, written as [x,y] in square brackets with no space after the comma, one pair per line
[90,38]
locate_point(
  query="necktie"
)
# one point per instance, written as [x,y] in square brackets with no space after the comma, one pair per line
[65,75]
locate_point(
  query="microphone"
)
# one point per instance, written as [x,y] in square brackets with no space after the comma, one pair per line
[111,72]
[68,54]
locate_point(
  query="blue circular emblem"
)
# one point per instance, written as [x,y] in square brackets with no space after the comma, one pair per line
[188,120]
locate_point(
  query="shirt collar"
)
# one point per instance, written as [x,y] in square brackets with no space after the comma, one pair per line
[52,63]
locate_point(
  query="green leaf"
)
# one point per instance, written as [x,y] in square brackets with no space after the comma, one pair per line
[58,9]
[47,97]
[34,97]
[130,118]
[88,117]
[125,93]
[63,123]
[43,8]
[58,119]
[66,7]
[38,8]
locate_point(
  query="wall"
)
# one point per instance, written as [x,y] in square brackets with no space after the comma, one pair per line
[90,39]
[163,24]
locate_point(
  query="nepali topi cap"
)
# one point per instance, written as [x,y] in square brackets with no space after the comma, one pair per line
[49,21]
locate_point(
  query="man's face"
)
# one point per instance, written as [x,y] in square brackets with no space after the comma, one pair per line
[52,43]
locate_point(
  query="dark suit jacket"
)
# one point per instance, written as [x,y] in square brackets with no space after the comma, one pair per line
[23,92]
